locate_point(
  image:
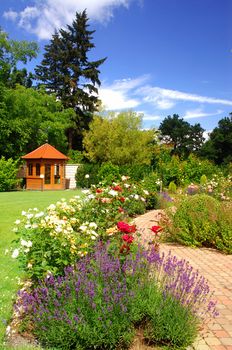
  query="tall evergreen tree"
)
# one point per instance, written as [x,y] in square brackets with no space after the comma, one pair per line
[67,71]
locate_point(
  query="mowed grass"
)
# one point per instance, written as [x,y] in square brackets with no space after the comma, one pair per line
[11,206]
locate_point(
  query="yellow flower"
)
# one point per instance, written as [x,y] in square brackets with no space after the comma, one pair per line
[84,245]
[110,231]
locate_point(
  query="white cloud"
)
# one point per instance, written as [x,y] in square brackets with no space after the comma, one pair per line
[46,16]
[120,94]
[131,93]
[12,15]
[114,99]
[206,134]
[166,98]
[151,117]
[198,113]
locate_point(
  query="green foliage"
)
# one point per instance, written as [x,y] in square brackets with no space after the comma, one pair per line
[8,174]
[30,118]
[183,137]
[135,207]
[203,180]
[219,146]
[12,52]
[152,184]
[224,238]
[87,175]
[201,220]
[67,71]
[136,172]
[172,187]
[108,173]
[167,323]
[118,139]
[183,172]
[219,186]
[75,157]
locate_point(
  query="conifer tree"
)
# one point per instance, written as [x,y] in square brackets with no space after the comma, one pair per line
[67,71]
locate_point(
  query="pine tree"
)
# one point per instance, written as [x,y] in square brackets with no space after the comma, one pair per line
[67,72]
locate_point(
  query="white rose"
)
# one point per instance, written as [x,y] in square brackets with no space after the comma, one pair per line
[17,222]
[87,176]
[29,244]
[23,242]
[113,193]
[93,225]
[52,207]
[15,253]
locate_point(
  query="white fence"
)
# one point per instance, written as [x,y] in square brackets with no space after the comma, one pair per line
[70,172]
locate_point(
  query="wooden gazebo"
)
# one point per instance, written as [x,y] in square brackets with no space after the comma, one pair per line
[45,169]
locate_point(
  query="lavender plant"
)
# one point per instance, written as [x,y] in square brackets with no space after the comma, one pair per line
[97,303]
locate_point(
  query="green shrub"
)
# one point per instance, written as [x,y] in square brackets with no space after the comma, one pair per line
[108,173]
[8,174]
[172,187]
[134,207]
[224,237]
[202,220]
[86,175]
[75,157]
[152,182]
[184,172]
[203,180]
[136,172]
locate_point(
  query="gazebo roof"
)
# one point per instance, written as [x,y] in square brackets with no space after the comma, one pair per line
[45,151]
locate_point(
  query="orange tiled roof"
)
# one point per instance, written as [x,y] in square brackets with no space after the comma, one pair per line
[45,151]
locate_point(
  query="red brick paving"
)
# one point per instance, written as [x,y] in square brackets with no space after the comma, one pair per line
[217,269]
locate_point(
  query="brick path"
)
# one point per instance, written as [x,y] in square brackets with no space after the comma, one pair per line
[214,266]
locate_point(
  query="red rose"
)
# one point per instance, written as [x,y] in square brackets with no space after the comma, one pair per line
[156,229]
[128,238]
[98,190]
[122,199]
[124,227]
[117,188]
[120,210]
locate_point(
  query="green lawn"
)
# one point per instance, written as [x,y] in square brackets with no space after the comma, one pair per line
[11,206]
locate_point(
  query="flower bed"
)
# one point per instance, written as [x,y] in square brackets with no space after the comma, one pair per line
[93,284]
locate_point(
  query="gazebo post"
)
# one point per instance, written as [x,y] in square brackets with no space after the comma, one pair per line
[42,181]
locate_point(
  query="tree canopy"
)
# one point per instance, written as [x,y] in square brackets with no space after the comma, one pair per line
[67,71]
[12,52]
[183,137]
[119,139]
[28,118]
[219,146]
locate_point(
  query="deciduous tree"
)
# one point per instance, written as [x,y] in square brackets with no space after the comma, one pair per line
[219,146]
[12,52]
[28,118]
[118,139]
[183,137]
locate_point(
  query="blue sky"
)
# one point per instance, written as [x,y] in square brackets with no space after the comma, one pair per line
[164,56]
